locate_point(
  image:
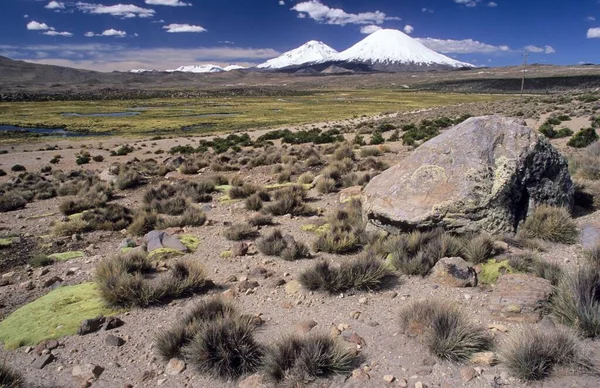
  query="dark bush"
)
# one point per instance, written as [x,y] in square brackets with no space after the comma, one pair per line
[583,138]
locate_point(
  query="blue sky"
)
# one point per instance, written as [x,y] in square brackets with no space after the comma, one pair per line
[111,35]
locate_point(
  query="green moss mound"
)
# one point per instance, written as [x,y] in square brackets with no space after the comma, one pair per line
[6,242]
[190,242]
[64,256]
[54,315]
[162,254]
[491,271]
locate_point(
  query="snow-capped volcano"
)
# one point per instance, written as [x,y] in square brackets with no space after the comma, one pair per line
[198,69]
[313,51]
[392,48]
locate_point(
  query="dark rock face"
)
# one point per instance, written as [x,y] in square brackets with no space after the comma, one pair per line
[486,174]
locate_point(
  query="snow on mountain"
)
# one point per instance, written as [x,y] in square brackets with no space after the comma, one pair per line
[234,67]
[198,69]
[312,51]
[392,47]
[140,71]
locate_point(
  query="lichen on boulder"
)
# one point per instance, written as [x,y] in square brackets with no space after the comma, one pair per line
[485,174]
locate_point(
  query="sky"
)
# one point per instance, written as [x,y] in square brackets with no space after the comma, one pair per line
[108,35]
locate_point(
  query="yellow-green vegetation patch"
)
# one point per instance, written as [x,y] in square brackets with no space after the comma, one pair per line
[225,255]
[318,229]
[126,249]
[54,315]
[275,186]
[64,256]
[190,242]
[6,242]
[161,254]
[75,216]
[491,271]
[36,217]
[223,188]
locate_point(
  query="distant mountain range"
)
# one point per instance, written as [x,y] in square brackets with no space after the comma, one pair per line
[384,50]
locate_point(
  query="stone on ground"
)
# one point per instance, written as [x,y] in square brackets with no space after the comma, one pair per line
[453,272]
[485,174]
[520,298]
[157,239]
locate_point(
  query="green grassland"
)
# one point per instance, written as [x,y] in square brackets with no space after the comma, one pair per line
[222,114]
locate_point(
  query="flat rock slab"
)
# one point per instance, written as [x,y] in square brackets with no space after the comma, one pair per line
[590,235]
[158,239]
[485,174]
[519,298]
[453,272]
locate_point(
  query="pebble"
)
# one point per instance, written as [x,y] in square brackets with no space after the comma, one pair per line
[467,373]
[402,383]
[389,378]
[418,384]
[175,366]
[362,300]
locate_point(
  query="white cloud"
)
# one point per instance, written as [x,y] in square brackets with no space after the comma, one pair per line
[408,29]
[110,57]
[428,10]
[169,3]
[549,50]
[323,14]
[465,46]
[35,26]
[55,5]
[58,33]
[371,28]
[492,4]
[281,2]
[468,3]
[26,16]
[593,33]
[226,42]
[538,50]
[590,19]
[183,28]
[123,10]
[109,32]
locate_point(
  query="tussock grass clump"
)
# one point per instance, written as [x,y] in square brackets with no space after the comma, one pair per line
[88,197]
[276,244]
[417,253]
[143,223]
[592,255]
[446,330]
[111,217]
[254,202]
[70,227]
[362,274]
[225,348]
[260,219]
[123,280]
[11,201]
[129,178]
[586,165]
[551,224]
[531,262]
[170,342]
[241,231]
[326,185]
[192,216]
[241,192]
[346,233]
[531,353]
[10,378]
[478,249]
[576,301]
[300,360]
[173,206]
[289,200]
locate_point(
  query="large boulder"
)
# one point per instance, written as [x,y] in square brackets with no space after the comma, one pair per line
[486,174]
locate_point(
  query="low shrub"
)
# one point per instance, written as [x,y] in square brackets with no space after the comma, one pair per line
[18,168]
[300,360]
[276,244]
[551,224]
[260,219]
[11,201]
[10,378]
[531,353]
[363,274]
[445,330]
[110,217]
[142,223]
[240,231]
[583,138]
[576,301]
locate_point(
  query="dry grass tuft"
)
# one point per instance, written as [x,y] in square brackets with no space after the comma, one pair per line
[551,224]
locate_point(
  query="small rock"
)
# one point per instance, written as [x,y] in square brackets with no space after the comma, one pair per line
[175,366]
[356,339]
[362,300]
[454,272]
[231,279]
[334,332]
[497,326]
[293,287]
[402,383]
[253,381]
[41,272]
[513,308]
[42,361]
[239,249]
[8,275]
[467,374]
[28,285]
[424,371]
[52,344]
[91,325]
[53,280]
[260,272]
[160,381]
[112,323]
[360,374]
[86,372]
[4,282]
[419,384]
[305,327]
[355,314]
[113,340]
[389,378]
[247,285]
[392,294]
[229,294]
[483,358]
[277,282]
